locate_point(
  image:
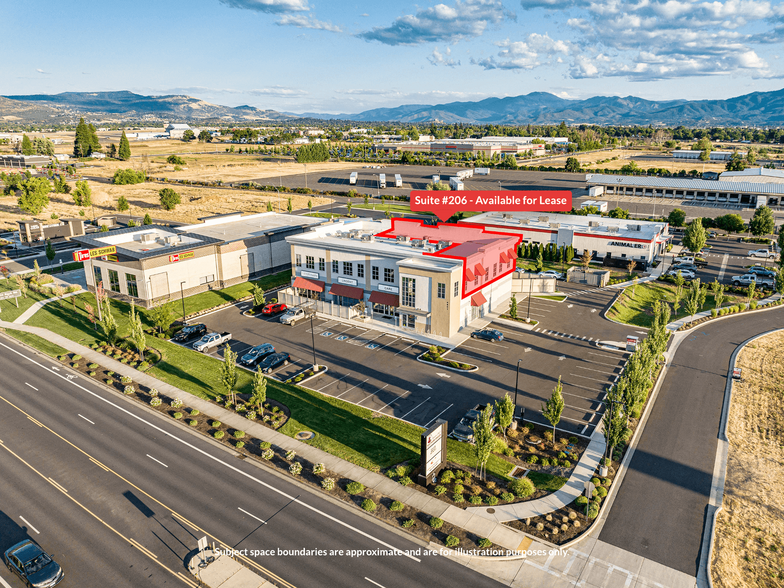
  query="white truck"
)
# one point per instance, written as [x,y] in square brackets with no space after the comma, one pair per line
[764,253]
[352,179]
[398,181]
[436,179]
[594,191]
[482,171]
[382,180]
[456,184]
[211,340]
[746,279]
[296,314]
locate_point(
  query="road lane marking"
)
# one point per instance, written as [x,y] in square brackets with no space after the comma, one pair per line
[159,461]
[333,382]
[37,532]
[417,406]
[263,522]
[142,548]
[35,421]
[372,582]
[33,387]
[354,386]
[370,395]
[85,418]
[99,464]
[4,583]
[438,415]
[56,485]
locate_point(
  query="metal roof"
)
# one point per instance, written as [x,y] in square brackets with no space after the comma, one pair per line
[754,171]
[684,184]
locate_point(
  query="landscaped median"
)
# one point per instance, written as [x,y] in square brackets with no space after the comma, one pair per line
[435,355]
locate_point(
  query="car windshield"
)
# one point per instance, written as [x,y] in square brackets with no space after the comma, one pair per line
[37,564]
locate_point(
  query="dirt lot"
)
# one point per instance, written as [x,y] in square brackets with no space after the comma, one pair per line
[604,159]
[750,528]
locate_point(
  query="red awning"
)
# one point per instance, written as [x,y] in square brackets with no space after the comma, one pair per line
[347,291]
[312,285]
[384,298]
[478,299]
[513,253]
[504,257]
[469,275]
[479,270]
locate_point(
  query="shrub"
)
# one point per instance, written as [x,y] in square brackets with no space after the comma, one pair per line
[239,444]
[491,500]
[532,459]
[566,463]
[714,312]
[540,526]
[447,476]
[521,488]
[507,496]
[368,505]
[176,403]
[452,541]
[355,488]
[401,470]
[295,469]
[218,434]
[93,366]
[76,357]
[439,490]
[110,374]
[601,491]
[561,455]
[193,422]
[635,413]
[262,445]
[406,481]
[484,543]
[153,392]
[581,500]
[155,401]
[593,510]
[239,434]
[508,452]
[458,497]
[177,415]
[545,461]
[391,474]
[327,483]
[128,380]
[459,474]
[194,412]
[91,374]
[291,454]
[475,499]
[267,454]
[548,435]
[319,468]
[459,488]
[435,523]
[144,365]
[573,440]
[753,305]
[408,523]
[216,424]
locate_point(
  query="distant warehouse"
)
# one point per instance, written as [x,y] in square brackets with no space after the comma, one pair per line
[695,154]
[151,264]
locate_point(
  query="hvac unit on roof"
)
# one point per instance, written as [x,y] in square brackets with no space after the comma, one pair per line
[147,237]
[544,219]
[402,238]
[525,221]
[368,237]
[444,244]
[593,223]
[172,240]
[417,243]
[613,229]
[634,227]
[555,225]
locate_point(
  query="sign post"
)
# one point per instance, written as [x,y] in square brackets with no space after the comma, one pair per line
[433,452]
[15,294]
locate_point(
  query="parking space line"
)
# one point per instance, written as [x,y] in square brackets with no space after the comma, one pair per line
[334,382]
[590,378]
[388,344]
[402,350]
[594,390]
[480,349]
[479,357]
[438,415]
[417,406]
[352,387]
[373,394]
[579,367]
[390,402]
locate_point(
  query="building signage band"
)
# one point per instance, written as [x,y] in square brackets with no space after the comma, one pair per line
[385,288]
[88,254]
[623,244]
[312,275]
[180,256]
[348,281]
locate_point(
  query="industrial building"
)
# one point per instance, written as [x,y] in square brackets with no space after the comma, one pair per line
[151,264]
[31,231]
[695,154]
[24,161]
[755,175]
[641,241]
[423,278]
[487,146]
[728,192]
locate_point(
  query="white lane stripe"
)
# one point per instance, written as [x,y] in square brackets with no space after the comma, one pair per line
[417,406]
[369,580]
[85,418]
[255,517]
[371,395]
[402,350]
[438,415]
[334,382]
[33,387]
[354,386]
[227,465]
[158,460]
[29,525]
[4,583]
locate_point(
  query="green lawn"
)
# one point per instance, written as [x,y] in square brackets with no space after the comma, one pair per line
[212,298]
[558,297]
[399,208]
[638,309]
[37,342]
[67,267]
[322,215]
[546,481]
[8,310]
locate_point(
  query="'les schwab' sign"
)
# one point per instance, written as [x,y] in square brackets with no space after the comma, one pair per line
[88,254]
[180,256]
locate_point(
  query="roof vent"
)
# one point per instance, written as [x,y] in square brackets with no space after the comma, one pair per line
[593,223]
[417,243]
[368,237]
[634,227]
[613,229]
[444,244]
[402,238]
[555,225]
[525,221]
[147,237]
[544,219]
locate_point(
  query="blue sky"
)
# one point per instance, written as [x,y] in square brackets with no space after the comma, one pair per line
[348,56]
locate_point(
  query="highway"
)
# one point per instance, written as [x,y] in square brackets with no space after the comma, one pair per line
[138,490]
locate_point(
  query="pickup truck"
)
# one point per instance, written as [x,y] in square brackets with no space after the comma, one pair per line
[698,261]
[746,279]
[464,429]
[764,253]
[294,315]
[211,340]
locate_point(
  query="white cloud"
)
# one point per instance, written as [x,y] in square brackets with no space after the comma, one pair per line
[40,71]
[438,58]
[535,51]
[466,19]
[307,22]
[270,6]
[276,91]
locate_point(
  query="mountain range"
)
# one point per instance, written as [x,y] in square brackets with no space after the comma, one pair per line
[755,109]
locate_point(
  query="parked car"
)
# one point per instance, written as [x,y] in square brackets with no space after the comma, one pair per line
[712,234]
[33,565]
[686,274]
[761,271]
[764,253]
[190,332]
[760,281]
[256,354]
[274,308]
[488,335]
[551,274]
[294,315]
[689,267]
[464,429]
[697,261]
[272,362]
[211,340]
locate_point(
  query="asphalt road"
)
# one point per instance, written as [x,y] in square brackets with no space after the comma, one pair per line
[162,486]
[659,511]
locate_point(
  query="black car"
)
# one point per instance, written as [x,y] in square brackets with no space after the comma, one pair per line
[33,565]
[488,334]
[190,332]
[273,361]
[256,354]
[684,266]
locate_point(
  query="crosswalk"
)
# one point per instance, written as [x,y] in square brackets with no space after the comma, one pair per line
[563,335]
[592,290]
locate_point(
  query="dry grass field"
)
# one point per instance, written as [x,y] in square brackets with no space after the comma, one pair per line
[749,548]
[604,159]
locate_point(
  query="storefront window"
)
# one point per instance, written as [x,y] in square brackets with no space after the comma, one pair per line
[114,281]
[98,276]
[310,262]
[389,275]
[409,292]
[409,321]
[130,282]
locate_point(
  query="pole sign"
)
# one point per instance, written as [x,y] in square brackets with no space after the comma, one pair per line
[10,294]
[88,254]
[433,452]
[180,256]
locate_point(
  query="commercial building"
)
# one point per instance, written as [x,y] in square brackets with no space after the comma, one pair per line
[24,161]
[177,130]
[641,241]
[427,279]
[487,146]
[695,154]
[152,263]
[31,231]
[755,175]
[739,193]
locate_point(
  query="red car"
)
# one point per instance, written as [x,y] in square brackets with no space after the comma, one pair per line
[274,308]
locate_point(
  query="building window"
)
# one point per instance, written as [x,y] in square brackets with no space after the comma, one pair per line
[360,270]
[374,272]
[389,275]
[98,276]
[457,288]
[348,268]
[441,290]
[310,262]
[495,269]
[322,264]
[114,281]
[298,260]
[409,292]
[409,320]
[334,267]
[130,281]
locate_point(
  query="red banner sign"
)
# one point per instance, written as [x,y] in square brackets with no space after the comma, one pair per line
[81,255]
[445,203]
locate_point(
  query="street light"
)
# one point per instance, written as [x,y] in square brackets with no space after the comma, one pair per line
[182,297]
[313,341]
[517,378]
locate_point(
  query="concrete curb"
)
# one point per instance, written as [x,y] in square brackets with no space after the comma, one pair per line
[517,324]
[474,368]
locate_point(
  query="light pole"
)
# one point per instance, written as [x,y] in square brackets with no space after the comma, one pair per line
[313,341]
[182,297]
[530,287]
[517,378]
